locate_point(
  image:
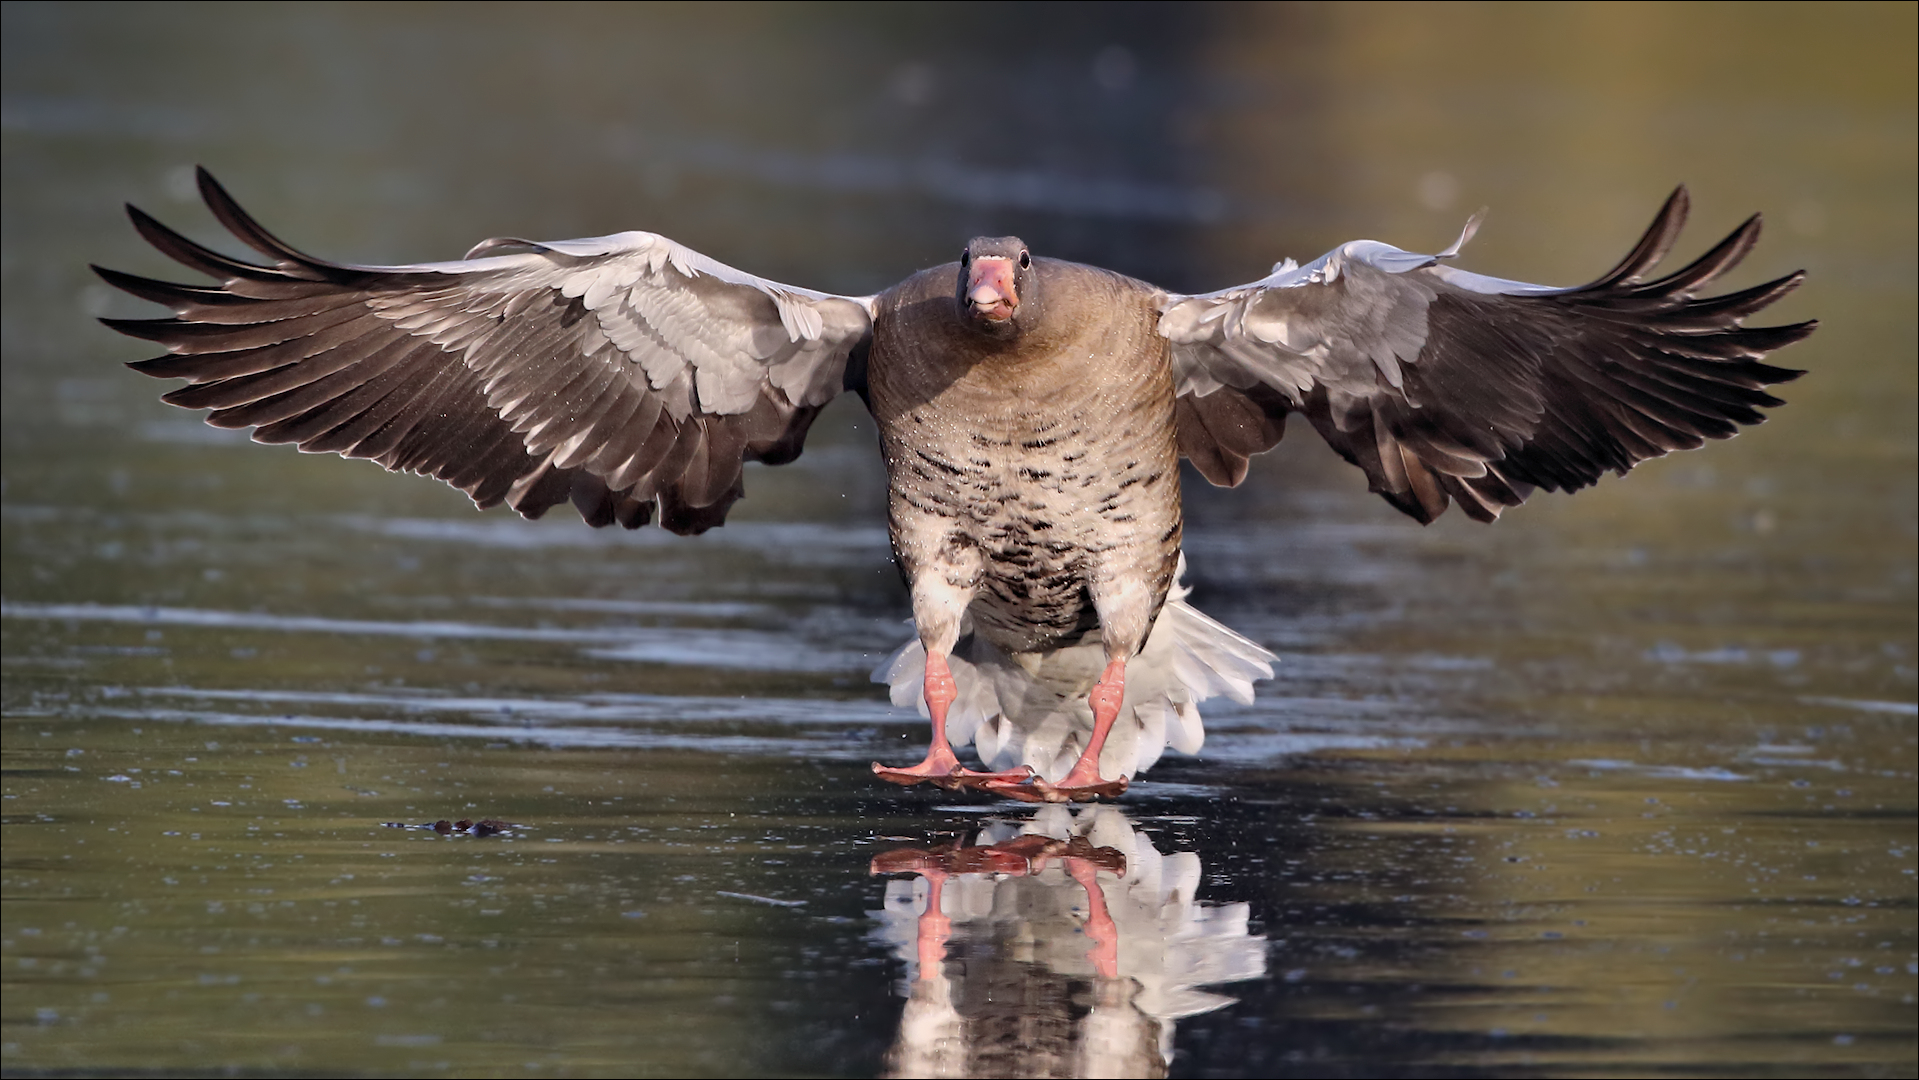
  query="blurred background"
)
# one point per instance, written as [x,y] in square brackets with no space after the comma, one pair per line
[1731,631]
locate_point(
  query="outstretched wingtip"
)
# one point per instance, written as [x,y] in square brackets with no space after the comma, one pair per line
[159,330]
[215,195]
[1678,205]
[144,288]
[1788,335]
[1653,246]
[241,224]
[145,223]
[194,256]
[1724,255]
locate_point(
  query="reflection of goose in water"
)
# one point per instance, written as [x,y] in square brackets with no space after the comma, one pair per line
[1066,946]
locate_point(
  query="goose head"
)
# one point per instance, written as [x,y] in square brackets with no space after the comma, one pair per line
[997,291]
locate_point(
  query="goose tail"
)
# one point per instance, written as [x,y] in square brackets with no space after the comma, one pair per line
[1030,708]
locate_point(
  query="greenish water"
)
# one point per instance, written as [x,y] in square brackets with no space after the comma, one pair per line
[1621,786]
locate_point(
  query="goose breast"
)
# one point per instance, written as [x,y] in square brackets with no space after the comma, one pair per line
[1038,470]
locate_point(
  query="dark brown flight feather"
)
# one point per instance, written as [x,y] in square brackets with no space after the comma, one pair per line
[1517,391]
[303,351]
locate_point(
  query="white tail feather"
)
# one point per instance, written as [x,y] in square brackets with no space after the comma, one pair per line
[1031,709]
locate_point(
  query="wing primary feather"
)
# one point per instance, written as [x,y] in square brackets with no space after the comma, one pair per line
[208,367]
[381,412]
[1701,271]
[206,260]
[1713,314]
[181,298]
[335,385]
[241,224]
[1652,247]
[249,386]
[182,336]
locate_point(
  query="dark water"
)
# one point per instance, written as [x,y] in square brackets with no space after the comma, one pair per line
[1622,786]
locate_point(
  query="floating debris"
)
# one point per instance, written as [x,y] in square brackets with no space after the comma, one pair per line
[488,827]
[757,899]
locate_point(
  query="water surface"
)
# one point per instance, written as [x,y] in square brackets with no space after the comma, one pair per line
[1621,786]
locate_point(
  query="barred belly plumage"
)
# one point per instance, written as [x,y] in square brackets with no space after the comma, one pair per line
[1030,489]
[1044,528]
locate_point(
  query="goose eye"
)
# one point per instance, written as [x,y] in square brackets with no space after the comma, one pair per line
[1025,260]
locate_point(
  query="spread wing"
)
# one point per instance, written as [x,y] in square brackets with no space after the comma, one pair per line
[625,373]
[1447,385]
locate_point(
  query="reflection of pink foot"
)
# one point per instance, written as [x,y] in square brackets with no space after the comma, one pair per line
[1100,928]
[935,929]
[1017,857]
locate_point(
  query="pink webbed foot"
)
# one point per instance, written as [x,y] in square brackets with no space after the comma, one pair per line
[941,767]
[940,764]
[1038,790]
[945,771]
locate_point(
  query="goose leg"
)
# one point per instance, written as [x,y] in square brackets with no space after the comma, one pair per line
[940,597]
[1128,586]
[1106,697]
[1083,783]
[941,763]
[942,766]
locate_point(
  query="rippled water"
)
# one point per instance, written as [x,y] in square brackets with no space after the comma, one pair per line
[1622,786]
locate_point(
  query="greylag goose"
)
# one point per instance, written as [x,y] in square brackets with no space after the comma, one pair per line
[1033,413]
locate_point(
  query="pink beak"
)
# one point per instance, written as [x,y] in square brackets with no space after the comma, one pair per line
[990,288]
